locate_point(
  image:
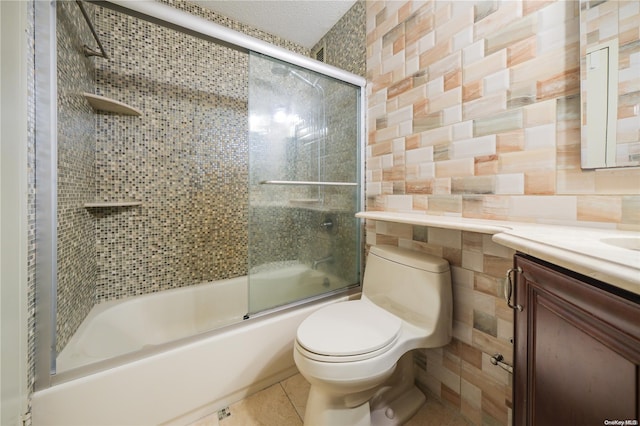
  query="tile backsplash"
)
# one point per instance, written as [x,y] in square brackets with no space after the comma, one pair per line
[474,111]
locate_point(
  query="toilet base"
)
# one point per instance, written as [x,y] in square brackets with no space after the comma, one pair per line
[325,410]
[400,410]
[391,404]
[400,399]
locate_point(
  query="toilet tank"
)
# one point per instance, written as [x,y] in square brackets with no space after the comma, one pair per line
[412,285]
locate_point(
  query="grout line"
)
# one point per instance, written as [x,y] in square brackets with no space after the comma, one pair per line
[290,401]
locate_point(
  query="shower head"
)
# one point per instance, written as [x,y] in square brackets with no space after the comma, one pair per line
[280,70]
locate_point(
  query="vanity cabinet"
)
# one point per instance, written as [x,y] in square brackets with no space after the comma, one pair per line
[577,348]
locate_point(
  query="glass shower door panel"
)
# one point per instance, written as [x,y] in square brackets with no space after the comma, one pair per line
[304,184]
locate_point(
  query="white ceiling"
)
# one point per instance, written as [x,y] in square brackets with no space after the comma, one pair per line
[301,21]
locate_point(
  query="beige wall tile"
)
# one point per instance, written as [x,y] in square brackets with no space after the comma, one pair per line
[445,204]
[540,113]
[494,97]
[485,106]
[512,33]
[450,168]
[445,237]
[599,208]
[526,161]
[487,165]
[474,147]
[445,65]
[510,141]
[447,99]
[562,208]
[521,51]
[490,64]
[618,181]
[631,210]
[494,124]
[575,182]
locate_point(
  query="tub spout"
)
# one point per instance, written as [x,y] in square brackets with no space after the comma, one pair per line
[328,259]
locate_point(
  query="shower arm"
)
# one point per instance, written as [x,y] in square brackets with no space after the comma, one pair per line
[87,50]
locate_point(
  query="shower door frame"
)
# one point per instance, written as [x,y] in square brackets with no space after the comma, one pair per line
[46,142]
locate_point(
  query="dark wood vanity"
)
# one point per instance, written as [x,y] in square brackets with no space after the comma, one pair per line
[577,348]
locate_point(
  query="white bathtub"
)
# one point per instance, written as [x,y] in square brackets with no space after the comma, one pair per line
[123,326]
[174,382]
[143,322]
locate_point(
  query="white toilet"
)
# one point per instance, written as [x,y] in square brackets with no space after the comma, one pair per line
[348,351]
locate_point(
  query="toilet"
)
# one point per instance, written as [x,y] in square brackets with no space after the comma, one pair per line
[355,354]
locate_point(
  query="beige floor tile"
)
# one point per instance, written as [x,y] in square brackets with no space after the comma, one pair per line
[434,413]
[283,404]
[269,407]
[297,389]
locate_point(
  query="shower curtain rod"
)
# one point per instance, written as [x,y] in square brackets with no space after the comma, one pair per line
[176,19]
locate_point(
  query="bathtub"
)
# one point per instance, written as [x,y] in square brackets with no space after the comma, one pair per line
[142,322]
[130,364]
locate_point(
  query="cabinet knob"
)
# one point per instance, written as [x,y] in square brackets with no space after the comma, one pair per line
[508,288]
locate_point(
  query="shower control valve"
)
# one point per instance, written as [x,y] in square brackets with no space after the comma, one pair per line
[327,224]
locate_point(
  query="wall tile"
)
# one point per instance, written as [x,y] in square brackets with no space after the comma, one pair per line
[77,267]
[506,147]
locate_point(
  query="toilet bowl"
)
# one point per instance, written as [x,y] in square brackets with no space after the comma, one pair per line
[349,351]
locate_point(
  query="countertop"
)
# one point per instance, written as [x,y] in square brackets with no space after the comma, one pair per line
[608,255]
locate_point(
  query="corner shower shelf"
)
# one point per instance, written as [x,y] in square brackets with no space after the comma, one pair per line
[102,103]
[110,204]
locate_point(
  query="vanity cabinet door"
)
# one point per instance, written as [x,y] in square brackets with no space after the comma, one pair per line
[577,349]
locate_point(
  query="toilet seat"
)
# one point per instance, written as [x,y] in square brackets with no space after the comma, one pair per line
[348,331]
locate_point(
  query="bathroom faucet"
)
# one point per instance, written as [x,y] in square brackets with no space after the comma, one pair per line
[328,259]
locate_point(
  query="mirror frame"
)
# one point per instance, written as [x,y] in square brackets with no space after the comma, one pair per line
[610,27]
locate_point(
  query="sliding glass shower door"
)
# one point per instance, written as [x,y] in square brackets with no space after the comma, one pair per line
[304,187]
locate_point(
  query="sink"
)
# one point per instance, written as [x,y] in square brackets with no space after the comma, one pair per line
[629,243]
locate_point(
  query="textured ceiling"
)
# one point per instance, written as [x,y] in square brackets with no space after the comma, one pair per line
[300,21]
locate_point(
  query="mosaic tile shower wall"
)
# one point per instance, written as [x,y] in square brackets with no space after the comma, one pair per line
[77,269]
[344,44]
[185,159]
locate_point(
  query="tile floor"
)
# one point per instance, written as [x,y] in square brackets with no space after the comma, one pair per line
[283,405]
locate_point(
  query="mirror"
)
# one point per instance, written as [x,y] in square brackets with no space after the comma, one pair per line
[610,83]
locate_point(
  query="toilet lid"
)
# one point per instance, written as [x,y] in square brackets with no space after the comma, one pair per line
[348,328]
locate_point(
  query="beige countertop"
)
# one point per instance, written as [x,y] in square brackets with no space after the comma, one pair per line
[608,255]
